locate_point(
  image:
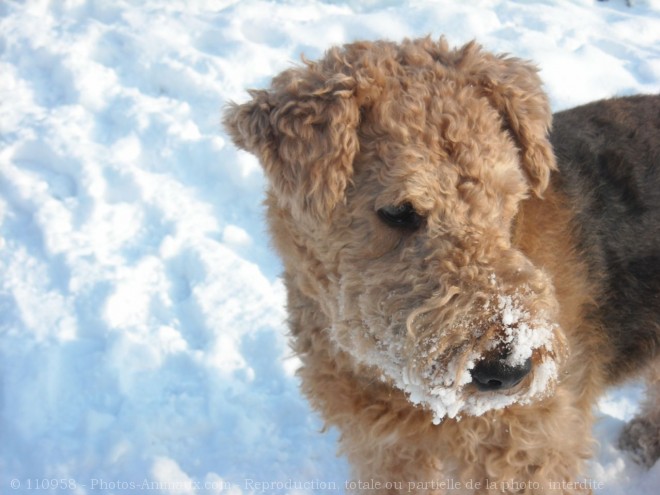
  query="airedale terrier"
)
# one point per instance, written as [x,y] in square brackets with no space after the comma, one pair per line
[459,293]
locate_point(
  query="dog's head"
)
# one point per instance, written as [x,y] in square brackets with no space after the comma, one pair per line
[396,172]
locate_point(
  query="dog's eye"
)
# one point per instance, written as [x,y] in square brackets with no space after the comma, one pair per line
[401,217]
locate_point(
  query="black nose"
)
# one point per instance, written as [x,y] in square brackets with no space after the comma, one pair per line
[491,375]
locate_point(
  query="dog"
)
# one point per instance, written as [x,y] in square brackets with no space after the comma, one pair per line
[463,282]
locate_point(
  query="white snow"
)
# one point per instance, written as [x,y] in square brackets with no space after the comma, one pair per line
[142,330]
[523,333]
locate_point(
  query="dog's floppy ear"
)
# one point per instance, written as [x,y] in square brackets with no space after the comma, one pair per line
[514,89]
[303,130]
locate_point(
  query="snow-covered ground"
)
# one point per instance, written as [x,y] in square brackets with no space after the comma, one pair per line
[142,335]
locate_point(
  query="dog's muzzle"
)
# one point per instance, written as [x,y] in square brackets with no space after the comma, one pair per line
[493,375]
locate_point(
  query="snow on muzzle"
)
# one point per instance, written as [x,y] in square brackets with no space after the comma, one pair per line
[508,352]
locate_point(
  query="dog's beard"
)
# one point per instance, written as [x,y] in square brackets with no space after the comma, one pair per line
[434,367]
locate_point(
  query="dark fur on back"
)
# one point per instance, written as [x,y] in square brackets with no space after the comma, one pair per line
[609,158]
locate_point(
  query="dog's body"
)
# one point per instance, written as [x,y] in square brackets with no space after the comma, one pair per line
[609,172]
[457,304]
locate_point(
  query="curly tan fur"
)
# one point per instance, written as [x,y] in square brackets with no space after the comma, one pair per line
[388,322]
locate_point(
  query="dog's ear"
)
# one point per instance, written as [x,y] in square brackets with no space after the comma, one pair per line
[514,89]
[304,132]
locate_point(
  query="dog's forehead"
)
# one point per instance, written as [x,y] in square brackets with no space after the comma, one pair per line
[420,118]
[426,103]
[432,141]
